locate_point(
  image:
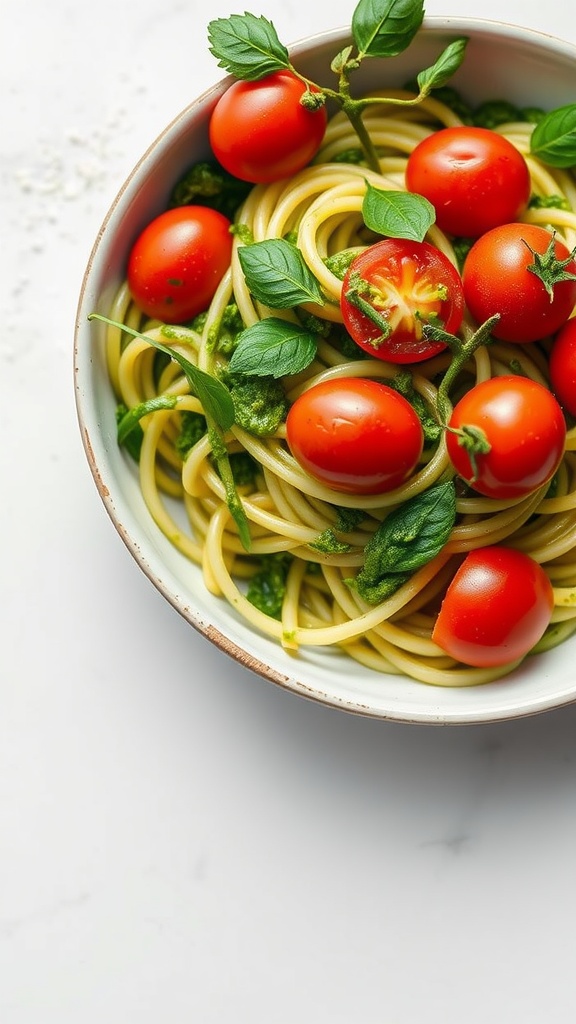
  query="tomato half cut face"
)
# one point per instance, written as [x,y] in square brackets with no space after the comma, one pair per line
[391,290]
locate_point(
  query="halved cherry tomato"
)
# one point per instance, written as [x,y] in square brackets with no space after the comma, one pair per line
[562,366]
[496,608]
[178,261]
[496,280]
[261,132]
[355,435]
[391,290]
[525,431]
[474,178]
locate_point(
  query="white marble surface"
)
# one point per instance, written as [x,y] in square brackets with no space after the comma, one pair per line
[179,840]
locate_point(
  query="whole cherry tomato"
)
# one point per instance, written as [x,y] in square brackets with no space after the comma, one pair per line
[562,366]
[474,178]
[391,289]
[178,261]
[355,435]
[496,279]
[261,132]
[496,608]
[524,430]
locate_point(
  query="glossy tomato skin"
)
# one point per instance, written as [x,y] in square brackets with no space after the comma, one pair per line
[178,261]
[260,131]
[562,366]
[355,435]
[474,178]
[496,608]
[406,282]
[525,428]
[496,280]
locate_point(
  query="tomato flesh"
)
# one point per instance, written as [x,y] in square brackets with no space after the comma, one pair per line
[525,429]
[474,177]
[260,131]
[496,280]
[355,435]
[496,608]
[178,261]
[391,290]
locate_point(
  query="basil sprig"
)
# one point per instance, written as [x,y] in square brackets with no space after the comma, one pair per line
[397,214]
[277,274]
[409,537]
[553,140]
[249,48]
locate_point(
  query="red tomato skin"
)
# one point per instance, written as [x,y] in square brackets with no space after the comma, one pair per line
[496,608]
[562,366]
[178,261]
[525,427]
[260,132]
[355,435]
[474,178]
[408,272]
[496,280]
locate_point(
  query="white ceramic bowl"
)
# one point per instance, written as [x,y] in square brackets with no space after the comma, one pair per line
[501,60]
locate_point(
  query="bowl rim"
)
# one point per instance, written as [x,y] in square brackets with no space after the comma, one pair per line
[119,511]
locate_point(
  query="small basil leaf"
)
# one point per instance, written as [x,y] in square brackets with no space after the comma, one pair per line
[397,214]
[273,348]
[554,138]
[277,275]
[384,28]
[410,537]
[247,46]
[442,70]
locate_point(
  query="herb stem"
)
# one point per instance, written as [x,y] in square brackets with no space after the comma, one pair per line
[461,353]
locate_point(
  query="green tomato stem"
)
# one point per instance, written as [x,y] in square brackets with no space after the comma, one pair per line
[461,353]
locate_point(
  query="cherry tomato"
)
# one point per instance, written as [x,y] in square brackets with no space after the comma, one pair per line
[496,280]
[525,430]
[178,261]
[355,435]
[496,608]
[261,132]
[562,366]
[474,178]
[391,289]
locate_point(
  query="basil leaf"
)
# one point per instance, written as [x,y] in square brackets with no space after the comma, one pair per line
[247,46]
[410,537]
[384,28]
[277,275]
[273,348]
[442,70]
[214,396]
[554,138]
[397,214]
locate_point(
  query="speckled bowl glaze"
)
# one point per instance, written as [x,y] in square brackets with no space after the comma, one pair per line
[501,60]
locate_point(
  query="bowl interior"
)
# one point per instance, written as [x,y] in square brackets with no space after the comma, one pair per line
[501,61]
